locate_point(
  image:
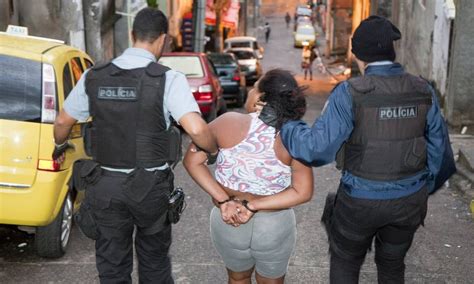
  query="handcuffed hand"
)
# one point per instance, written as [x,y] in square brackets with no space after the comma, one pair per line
[230,212]
[236,213]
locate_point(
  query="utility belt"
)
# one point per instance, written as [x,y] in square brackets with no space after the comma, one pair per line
[137,185]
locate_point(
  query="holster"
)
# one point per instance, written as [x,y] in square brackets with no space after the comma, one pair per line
[176,205]
[85,174]
[328,212]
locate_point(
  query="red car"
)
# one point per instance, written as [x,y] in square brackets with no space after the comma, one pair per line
[202,79]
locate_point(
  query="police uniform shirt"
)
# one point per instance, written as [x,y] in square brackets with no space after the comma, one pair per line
[178,99]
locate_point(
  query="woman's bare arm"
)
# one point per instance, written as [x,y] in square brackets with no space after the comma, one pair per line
[300,191]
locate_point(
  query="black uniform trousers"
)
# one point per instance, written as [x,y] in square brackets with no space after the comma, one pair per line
[123,204]
[356,222]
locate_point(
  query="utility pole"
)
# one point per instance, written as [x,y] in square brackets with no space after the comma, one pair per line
[199,13]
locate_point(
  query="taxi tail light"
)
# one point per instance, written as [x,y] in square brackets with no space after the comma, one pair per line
[204,93]
[49,165]
[48,104]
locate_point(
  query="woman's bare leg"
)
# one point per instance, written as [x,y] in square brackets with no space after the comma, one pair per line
[244,277]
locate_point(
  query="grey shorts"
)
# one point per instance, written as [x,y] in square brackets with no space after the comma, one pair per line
[266,242]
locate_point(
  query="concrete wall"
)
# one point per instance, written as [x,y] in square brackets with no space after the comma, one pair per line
[61,20]
[85,24]
[416,23]
[460,100]
[444,16]
[381,8]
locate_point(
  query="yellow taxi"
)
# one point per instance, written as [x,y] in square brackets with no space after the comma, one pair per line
[36,75]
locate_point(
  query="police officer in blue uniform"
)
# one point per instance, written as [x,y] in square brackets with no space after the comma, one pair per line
[132,100]
[393,148]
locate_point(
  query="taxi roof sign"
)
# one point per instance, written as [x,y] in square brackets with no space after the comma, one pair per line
[20,31]
[17,30]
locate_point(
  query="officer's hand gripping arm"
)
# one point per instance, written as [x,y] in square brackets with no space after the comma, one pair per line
[199,132]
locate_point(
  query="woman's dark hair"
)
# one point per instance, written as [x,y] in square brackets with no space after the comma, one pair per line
[282,93]
[149,24]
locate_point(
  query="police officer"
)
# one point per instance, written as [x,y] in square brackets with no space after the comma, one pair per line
[131,100]
[395,144]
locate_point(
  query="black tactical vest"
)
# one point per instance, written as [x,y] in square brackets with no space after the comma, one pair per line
[128,125]
[388,141]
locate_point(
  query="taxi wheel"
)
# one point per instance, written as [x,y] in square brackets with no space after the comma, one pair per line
[51,240]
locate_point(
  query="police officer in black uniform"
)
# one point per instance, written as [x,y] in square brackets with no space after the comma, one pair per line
[128,182]
[395,151]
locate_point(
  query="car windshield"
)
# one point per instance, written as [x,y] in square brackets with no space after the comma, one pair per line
[304,20]
[222,59]
[242,54]
[305,31]
[20,89]
[188,65]
[240,44]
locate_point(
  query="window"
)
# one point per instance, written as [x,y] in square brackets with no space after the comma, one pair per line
[243,55]
[77,69]
[20,89]
[89,64]
[67,80]
[188,65]
[222,59]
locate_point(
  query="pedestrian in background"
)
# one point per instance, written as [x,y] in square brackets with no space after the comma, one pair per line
[306,62]
[256,182]
[393,150]
[132,100]
[267,29]
[287,19]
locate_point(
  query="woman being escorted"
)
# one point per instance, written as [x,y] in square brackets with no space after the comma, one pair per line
[257,182]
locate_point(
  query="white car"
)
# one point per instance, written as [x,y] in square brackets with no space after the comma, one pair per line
[305,34]
[249,63]
[244,42]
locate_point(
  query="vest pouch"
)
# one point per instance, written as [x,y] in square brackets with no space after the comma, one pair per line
[89,134]
[416,158]
[175,149]
[389,160]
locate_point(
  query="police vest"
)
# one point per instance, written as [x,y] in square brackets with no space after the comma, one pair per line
[387,142]
[128,125]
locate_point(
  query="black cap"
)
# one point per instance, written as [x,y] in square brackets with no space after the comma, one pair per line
[373,39]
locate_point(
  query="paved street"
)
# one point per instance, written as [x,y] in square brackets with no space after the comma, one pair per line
[442,252]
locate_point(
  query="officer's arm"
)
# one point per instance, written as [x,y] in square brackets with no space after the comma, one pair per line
[199,132]
[318,145]
[75,108]
[62,127]
[438,144]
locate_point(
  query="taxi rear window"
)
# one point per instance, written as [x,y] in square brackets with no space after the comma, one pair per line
[20,89]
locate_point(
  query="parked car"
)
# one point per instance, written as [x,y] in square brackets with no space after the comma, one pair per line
[36,75]
[202,78]
[249,64]
[303,10]
[231,78]
[305,34]
[302,21]
[244,42]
